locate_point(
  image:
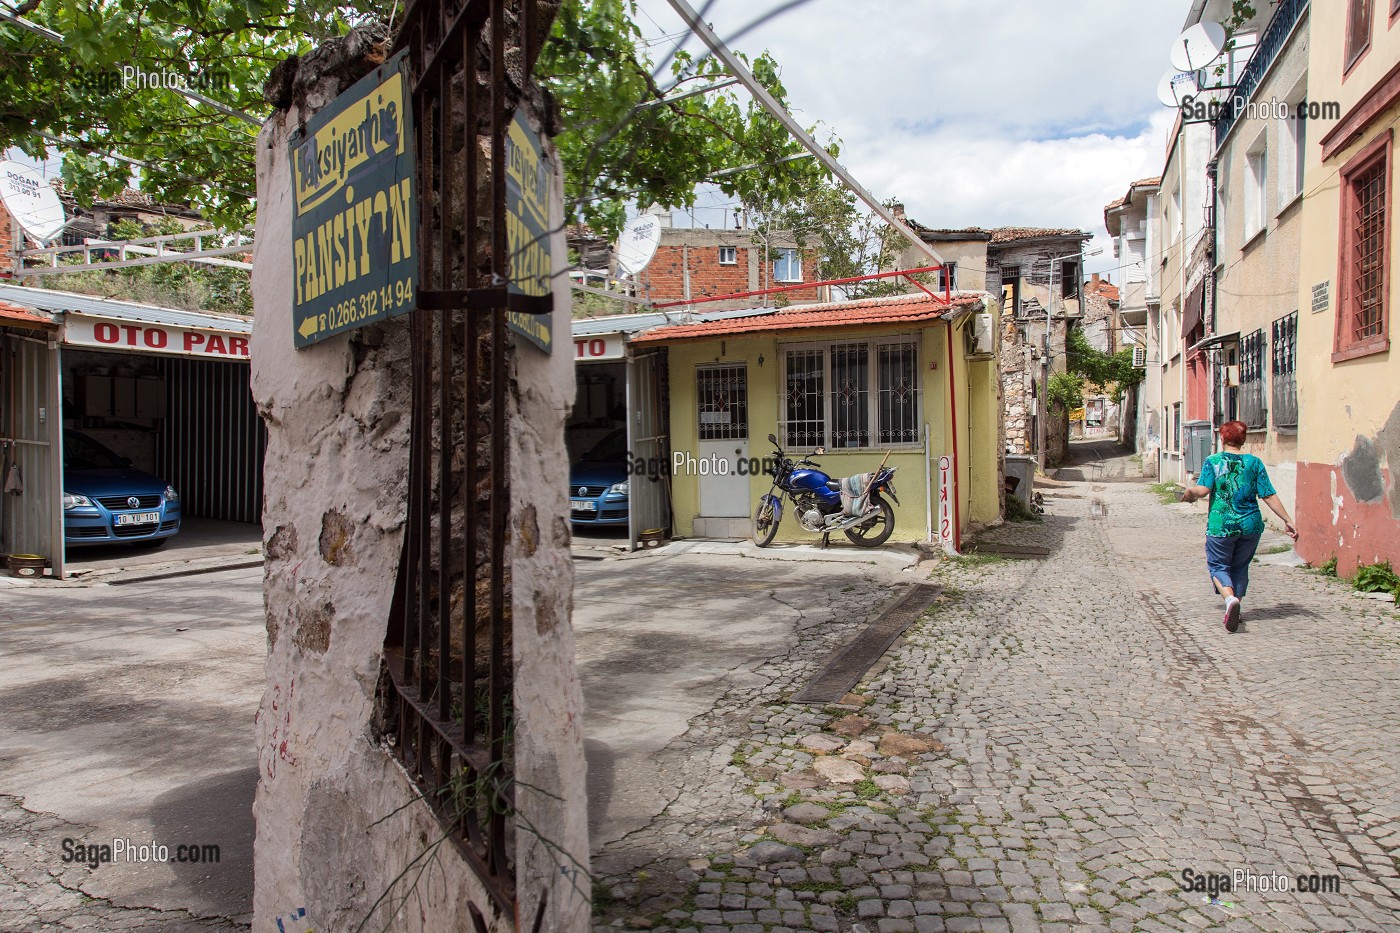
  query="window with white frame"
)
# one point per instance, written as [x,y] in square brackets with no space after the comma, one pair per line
[854,394]
[952,284]
[1256,188]
[729,255]
[787,265]
[1135,259]
[1292,146]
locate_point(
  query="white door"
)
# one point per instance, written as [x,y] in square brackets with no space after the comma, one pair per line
[722,396]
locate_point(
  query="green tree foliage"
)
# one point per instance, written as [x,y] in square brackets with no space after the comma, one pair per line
[1114,372]
[594,64]
[1066,390]
[618,143]
[849,242]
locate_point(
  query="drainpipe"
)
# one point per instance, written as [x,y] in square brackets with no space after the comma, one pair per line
[953,418]
[928,485]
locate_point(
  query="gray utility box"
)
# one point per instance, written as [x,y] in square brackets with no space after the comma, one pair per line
[1198,444]
[1021,467]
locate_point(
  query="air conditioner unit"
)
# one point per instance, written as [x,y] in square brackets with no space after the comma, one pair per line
[979,336]
[1139,356]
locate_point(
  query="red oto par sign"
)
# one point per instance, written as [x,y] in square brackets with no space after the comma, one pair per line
[147,337]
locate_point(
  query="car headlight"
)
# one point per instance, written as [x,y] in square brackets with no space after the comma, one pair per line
[72,500]
[171,495]
[619,488]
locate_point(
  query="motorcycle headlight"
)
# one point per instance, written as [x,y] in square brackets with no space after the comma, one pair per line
[619,488]
[171,495]
[72,500]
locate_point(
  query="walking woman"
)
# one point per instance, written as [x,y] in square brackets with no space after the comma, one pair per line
[1235,482]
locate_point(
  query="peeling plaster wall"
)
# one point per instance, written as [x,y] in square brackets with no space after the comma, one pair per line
[337,818]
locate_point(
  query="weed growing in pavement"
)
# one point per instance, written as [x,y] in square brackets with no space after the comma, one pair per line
[1328,568]
[1277,549]
[1018,511]
[1377,578]
[866,790]
[1166,493]
[974,559]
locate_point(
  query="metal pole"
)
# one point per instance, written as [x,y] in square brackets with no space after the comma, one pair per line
[746,78]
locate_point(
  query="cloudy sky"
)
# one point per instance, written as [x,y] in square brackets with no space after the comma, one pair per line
[972,112]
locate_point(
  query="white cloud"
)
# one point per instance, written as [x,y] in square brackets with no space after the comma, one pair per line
[975,113]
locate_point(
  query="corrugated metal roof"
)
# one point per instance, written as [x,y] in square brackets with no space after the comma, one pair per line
[632,323]
[122,310]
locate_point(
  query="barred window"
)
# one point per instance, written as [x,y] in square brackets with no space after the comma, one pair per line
[1252,410]
[723,397]
[1364,276]
[851,395]
[1283,371]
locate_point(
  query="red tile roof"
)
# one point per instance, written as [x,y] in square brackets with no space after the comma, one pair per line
[24,317]
[900,309]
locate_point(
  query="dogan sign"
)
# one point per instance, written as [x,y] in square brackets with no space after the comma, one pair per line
[355,211]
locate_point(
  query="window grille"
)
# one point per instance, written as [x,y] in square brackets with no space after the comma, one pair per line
[850,395]
[1283,371]
[1252,410]
[870,389]
[899,395]
[804,408]
[723,397]
[1368,251]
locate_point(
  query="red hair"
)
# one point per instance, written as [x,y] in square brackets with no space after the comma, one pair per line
[1233,432]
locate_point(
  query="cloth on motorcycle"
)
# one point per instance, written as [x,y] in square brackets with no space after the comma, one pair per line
[855,493]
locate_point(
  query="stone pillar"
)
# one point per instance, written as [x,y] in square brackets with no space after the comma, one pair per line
[341,830]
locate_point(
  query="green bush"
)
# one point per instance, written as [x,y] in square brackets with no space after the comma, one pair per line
[1016,511]
[1375,578]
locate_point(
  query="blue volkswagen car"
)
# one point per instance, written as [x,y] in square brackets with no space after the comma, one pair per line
[106,500]
[598,483]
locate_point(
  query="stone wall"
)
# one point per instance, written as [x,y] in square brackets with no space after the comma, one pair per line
[341,830]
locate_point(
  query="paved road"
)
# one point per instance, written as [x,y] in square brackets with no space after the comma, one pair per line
[129,714]
[1054,746]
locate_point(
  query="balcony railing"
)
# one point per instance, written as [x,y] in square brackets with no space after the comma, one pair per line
[1265,53]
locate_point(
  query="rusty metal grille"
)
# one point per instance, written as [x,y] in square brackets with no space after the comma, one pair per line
[446,698]
[1284,371]
[1252,409]
[1368,251]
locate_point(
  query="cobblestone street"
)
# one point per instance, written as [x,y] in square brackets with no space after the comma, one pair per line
[1050,748]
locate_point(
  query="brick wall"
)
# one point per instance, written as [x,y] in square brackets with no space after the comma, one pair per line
[664,277]
[8,242]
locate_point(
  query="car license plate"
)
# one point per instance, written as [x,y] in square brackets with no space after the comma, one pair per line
[584,506]
[138,518]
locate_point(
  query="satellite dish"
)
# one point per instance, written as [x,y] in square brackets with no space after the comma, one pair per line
[31,200]
[1198,46]
[1176,86]
[638,243]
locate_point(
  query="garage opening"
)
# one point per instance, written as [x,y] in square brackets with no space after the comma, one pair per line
[189,422]
[596,438]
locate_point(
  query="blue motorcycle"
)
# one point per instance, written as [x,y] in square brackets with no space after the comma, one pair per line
[864,515]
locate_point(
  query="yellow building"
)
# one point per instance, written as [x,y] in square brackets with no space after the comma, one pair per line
[1348,374]
[911,376]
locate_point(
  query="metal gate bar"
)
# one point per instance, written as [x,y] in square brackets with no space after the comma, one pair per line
[452,736]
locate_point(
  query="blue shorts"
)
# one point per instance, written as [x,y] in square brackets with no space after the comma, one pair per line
[1228,560]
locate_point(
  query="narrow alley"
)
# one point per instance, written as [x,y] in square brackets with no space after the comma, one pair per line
[1067,743]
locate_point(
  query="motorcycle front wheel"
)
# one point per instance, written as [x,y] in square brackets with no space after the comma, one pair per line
[765,522]
[876,531]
